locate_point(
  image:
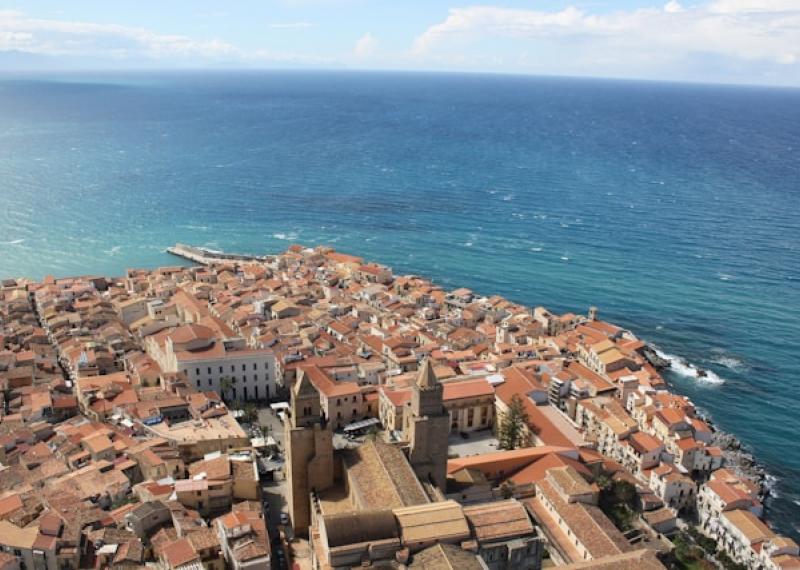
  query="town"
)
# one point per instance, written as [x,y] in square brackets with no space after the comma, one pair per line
[315,410]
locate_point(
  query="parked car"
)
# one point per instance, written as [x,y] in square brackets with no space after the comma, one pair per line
[284,518]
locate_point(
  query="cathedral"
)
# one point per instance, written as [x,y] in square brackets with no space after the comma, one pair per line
[373,476]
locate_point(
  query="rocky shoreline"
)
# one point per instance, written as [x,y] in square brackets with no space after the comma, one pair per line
[738,458]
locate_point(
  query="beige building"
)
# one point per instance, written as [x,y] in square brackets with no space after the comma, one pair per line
[470,405]
[565,507]
[244,540]
[29,545]
[604,357]
[342,402]
[673,487]
[506,537]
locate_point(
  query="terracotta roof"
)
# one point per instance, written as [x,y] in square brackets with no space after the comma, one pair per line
[506,461]
[749,524]
[499,520]
[443,521]
[644,442]
[10,504]
[537,470]
[461,389]
[328,387]
[188,333]
[381,477]
[179,552]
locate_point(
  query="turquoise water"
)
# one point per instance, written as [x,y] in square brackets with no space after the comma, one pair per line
[671,207]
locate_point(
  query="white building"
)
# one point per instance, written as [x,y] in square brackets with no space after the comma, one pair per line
[210,362]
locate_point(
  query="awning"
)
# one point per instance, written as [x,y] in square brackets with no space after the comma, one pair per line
[280,406]
[362,424]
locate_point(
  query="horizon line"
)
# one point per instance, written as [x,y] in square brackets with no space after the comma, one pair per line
[322,70]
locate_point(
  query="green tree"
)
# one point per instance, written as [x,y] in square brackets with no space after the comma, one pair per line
[225,386]
[617,501]
[250,413]
[511,432]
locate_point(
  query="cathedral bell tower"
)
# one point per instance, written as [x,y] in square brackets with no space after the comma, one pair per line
[427,427]
[309,452]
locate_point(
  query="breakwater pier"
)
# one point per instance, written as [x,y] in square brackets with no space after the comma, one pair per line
[205,256]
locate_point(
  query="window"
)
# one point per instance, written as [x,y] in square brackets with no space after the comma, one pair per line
[209,381]
[256,391]
[244,367]
[255,365]
[220,369]
[197,371]
[233,368]
[198,382]
[209,370]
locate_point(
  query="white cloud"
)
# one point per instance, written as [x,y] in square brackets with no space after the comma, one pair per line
[58,37]
[14,40]
[366,45]
[740,30]
[752,6]
[673,6]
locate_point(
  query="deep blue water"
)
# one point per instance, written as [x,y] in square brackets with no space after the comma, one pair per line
[674,208]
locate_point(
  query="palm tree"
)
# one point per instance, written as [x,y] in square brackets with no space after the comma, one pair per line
[250,412]
[225,386]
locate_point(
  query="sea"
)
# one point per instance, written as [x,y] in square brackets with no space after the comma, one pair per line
[673,208]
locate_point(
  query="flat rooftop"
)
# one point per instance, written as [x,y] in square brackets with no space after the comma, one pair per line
[224,427]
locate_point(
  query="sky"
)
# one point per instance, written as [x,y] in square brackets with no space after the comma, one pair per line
[727,41]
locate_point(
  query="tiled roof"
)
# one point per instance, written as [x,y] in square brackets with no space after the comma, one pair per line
[499,520]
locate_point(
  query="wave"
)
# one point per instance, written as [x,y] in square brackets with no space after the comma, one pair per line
[114,250]
[770,482]
[536,249]
[285,237]
[730,362]
[689,370]
[564,258]
[12,242]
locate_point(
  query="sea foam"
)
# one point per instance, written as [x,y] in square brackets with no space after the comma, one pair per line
[689,370]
